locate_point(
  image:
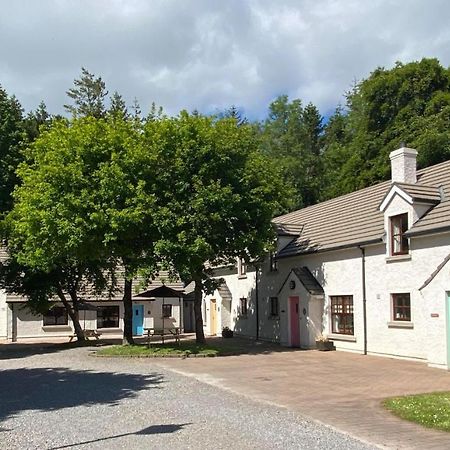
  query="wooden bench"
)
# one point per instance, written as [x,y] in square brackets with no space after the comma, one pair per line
[87,334]
[175,332]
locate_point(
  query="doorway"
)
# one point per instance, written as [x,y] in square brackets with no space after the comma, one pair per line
[138,320]
[294,326]
[213,317]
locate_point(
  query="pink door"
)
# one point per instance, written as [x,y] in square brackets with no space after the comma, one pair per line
[294,322]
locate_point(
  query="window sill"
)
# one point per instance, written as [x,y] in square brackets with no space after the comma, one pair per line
[342,337]
[56,328]
[399,324]
[242,277]
[398,258]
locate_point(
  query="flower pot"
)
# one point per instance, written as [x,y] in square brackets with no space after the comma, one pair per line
[325,346]
[227,333]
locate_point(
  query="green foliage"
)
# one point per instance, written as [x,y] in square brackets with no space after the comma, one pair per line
[11,137]
[88,95]
[430,410]
[409,103]
[118,107]
[185,349]
[217,193]
[291,137]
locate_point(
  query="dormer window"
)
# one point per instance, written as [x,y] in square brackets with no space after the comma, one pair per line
[399,242]
[242,268]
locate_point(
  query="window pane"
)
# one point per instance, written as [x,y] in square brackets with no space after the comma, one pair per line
[342,314]
[108,317]
[401,307]
[56,316]
[167,310]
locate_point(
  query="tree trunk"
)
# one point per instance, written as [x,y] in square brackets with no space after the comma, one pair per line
[199,334]
[73,314]
[127,314]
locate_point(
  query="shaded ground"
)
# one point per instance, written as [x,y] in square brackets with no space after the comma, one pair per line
[66,399]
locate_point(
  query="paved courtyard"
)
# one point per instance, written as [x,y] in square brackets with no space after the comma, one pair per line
[53,398]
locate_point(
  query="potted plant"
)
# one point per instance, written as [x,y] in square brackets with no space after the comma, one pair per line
[227,332]
[323,344]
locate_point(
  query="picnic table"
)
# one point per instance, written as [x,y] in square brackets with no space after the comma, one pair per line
[87,334]
[173,331]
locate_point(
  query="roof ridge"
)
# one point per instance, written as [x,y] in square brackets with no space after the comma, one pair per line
[420,172]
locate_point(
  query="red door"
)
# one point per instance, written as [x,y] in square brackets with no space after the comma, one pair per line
[294,322]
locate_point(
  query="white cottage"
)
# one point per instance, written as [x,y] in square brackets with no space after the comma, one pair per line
[99,313]
[369,269]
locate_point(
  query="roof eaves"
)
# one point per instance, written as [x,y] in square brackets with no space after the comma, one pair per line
[413,233]
[332,249]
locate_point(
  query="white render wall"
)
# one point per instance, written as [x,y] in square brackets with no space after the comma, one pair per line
[30,325]
[340,273]
[3,316]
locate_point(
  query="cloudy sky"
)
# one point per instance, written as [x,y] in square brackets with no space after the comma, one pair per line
[209,54]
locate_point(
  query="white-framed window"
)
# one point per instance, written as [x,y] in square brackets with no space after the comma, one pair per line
[242,267]
[399,242]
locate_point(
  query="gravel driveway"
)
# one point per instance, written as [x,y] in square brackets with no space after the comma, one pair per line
[68,399]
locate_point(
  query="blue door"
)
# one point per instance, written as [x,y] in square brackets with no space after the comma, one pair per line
[138,320]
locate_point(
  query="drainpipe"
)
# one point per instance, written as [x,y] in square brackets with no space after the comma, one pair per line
[363,276]
[256,302]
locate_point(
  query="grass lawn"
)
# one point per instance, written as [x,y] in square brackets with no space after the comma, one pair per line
[429,410]
[169,349]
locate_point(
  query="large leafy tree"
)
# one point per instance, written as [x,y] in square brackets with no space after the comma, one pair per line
[409,103]
[217,195]
[81,212]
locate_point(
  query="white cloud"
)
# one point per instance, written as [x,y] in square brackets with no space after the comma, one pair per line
[209,54]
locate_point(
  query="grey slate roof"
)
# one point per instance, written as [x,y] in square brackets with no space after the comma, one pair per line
[308,280]
[225,292]
[429,194]
[354,219]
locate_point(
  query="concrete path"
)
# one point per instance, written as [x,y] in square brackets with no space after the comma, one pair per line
[338,388]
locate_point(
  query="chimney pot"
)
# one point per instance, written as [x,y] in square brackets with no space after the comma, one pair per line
[404,165]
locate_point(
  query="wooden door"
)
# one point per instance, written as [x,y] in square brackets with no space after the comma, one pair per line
[213,317]
[294,326]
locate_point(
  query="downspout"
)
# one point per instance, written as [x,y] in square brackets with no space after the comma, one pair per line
[256,302]
[363,279]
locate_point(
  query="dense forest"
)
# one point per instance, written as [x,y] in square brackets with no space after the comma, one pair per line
[319,158]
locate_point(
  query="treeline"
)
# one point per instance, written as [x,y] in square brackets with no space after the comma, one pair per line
[114,188]
[408,104]
[319,157]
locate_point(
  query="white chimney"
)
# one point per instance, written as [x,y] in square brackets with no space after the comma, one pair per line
[404,165]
